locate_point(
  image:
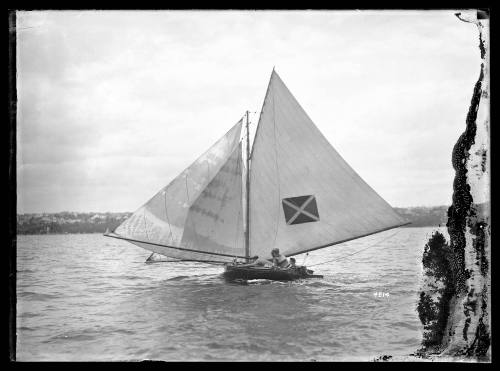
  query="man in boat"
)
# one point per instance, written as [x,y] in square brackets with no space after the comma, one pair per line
[256,261]
[279,260]
[293,265]
[300,268]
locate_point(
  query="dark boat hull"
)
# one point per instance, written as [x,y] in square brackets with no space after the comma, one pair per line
[274,273]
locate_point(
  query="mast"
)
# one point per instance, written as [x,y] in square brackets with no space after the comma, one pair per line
[247,229]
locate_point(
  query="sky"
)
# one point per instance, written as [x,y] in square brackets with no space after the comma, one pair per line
[112,105]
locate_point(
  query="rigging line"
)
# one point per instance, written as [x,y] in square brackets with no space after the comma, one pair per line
[356,252]
[305,258]
[145,224]
[277,172]
[166,213]
[187,190]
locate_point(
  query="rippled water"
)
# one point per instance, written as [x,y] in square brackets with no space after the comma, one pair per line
[87,297]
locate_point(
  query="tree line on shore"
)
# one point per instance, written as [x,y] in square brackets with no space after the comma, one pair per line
[73,222]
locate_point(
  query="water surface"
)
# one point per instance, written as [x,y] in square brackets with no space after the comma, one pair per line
[87,297]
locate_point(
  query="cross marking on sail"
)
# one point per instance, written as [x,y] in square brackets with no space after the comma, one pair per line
[300,210]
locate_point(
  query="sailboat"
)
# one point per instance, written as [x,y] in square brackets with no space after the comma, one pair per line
[290,190]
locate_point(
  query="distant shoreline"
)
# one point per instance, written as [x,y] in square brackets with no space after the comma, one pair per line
[66,233]
[81,223]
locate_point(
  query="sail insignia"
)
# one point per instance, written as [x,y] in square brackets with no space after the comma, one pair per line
[302,209]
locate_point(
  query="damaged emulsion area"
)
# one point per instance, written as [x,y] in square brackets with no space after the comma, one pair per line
[444,265]
[433,306]
[462,199]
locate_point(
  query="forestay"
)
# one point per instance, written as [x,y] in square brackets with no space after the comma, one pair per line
[303,195]
[198,216]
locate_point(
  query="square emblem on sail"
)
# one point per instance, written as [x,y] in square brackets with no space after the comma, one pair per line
[301,209]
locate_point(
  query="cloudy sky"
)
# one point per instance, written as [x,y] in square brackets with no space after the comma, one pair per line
[112,105]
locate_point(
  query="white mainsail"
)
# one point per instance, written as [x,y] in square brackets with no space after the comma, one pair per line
[303,195]
[197,216]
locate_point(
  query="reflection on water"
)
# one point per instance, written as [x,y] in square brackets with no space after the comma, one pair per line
[86,297]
